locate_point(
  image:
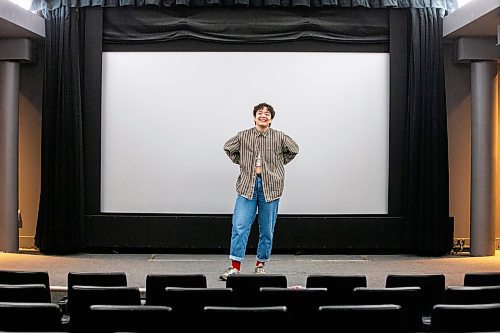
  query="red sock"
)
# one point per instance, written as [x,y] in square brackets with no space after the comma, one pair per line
[257,263]
[236,264]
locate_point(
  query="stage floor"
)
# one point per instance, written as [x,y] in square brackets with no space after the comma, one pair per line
[294,267]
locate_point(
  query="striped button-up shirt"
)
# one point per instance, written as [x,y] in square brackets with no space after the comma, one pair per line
[276,148]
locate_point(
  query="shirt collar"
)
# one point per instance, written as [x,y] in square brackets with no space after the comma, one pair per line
[257,133]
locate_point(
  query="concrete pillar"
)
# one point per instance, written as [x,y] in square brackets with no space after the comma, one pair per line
[483,157]
[9,137]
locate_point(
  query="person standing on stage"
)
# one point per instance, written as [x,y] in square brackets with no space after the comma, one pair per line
[261,152]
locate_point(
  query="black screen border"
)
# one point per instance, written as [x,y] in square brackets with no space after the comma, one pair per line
[211,232]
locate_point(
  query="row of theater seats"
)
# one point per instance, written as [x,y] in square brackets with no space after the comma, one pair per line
[103,302]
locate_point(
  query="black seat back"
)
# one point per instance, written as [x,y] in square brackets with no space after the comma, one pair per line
[36,293]
[156,284]
[85,296]
[482,279]
[130,318]
[300,302]
[339,287]
[246,287]
[363,318]
[101,279]
[432,285]
[409,298]
[262,318]
[35,317]
[193,300]
[25,277]
[472,295]
[465,318]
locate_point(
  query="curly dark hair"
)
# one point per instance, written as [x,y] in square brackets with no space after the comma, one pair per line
[261,106]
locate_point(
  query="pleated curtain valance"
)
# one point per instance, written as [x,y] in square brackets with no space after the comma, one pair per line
[444,6]
[253,25]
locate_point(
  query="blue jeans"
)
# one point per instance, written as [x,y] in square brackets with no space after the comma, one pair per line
[243,218]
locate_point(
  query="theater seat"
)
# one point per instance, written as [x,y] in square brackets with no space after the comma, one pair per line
[246,287]
[85,296]
[362,318]
[339,287]
[25,277]
[156,284]
[35,293]
[36,317]
[260,318]
[130,318]
[471,295]
[482,279]
[193,300]
[111,279]
[465,318]
[432,285]
[409,298]
[301,303]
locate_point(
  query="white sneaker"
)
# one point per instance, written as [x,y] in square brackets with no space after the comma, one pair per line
[259,269]
[229,271]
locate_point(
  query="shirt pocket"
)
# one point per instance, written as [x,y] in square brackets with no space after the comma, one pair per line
[273,157]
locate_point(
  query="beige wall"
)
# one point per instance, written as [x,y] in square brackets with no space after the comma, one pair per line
[30,124]
[458,98]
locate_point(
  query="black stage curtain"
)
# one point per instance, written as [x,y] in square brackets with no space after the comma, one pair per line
[428,190]
[60,227]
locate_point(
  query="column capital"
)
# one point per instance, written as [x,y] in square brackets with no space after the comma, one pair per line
[18,50]
[469,49]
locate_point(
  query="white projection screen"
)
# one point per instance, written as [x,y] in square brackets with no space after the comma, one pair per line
[167,115]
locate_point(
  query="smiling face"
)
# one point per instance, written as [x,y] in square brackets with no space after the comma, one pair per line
[263,118]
